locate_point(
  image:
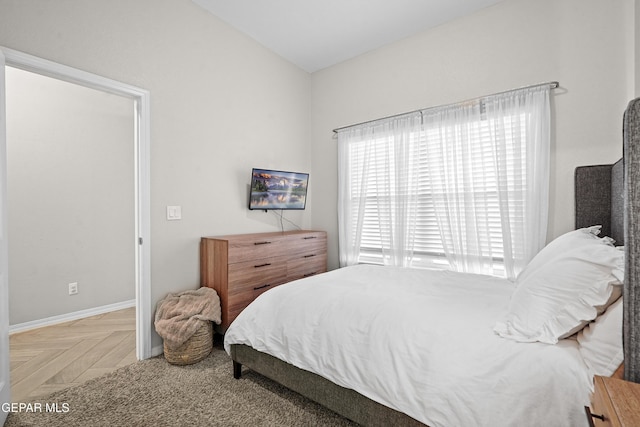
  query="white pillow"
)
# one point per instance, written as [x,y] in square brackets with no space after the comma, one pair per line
[565,286]
[601,341]
[619,272]
[558,246]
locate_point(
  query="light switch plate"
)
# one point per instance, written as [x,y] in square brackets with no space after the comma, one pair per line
[174,213]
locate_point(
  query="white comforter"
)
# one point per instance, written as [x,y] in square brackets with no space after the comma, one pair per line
[419,341]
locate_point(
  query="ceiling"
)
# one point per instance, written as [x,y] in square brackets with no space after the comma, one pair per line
[316,34]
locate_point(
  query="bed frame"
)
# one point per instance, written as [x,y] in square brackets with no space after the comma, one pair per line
[344,401]
[605,194]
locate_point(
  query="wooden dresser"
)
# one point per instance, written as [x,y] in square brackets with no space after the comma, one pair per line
[615,402]
[240,267]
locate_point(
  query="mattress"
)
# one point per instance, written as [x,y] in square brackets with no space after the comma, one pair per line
[420,342]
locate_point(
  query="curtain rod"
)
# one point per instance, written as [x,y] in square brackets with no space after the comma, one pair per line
[553,85]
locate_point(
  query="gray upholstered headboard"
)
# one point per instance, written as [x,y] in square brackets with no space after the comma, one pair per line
[631,290]
[599,199]
[610,195]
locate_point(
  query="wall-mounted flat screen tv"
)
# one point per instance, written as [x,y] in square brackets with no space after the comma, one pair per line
[271,189]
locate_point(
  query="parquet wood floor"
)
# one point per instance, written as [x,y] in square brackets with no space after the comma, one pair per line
[55,357]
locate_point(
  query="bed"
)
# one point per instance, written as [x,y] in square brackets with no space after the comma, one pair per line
[392,346]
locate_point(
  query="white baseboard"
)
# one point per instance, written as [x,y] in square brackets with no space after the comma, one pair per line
[157,350]
[21,327]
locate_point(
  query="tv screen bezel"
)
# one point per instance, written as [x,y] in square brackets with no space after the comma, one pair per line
[275,171]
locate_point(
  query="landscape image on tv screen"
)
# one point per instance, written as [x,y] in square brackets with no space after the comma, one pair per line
[278,189]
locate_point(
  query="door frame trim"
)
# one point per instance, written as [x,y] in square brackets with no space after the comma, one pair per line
[141,98]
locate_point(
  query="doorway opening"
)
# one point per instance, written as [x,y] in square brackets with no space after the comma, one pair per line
[140,238]
[70,194]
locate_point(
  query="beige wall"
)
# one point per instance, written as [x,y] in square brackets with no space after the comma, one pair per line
[70,179]
[220,104]
[581,44]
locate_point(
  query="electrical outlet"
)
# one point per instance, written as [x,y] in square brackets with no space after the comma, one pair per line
[73,288]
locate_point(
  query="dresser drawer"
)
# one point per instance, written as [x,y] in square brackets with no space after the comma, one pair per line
[259,273]
[242,298]
[308,242]
[240,301]
[252,247]
[306,266]
[615,402]
[603,413]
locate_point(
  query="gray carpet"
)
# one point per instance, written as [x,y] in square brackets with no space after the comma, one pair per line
[155,393]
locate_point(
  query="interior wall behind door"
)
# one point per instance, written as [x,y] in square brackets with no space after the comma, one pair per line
[70,152]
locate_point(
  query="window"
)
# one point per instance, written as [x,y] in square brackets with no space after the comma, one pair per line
[461,187]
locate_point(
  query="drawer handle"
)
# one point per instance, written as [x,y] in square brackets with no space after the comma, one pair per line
[261,265]
[261,243]
[309,256]
[591,416]
[261,287]
[310,237]
[310,274]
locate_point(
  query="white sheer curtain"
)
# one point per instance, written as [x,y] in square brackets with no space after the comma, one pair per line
[489,168]
[378,180]
[463,186]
